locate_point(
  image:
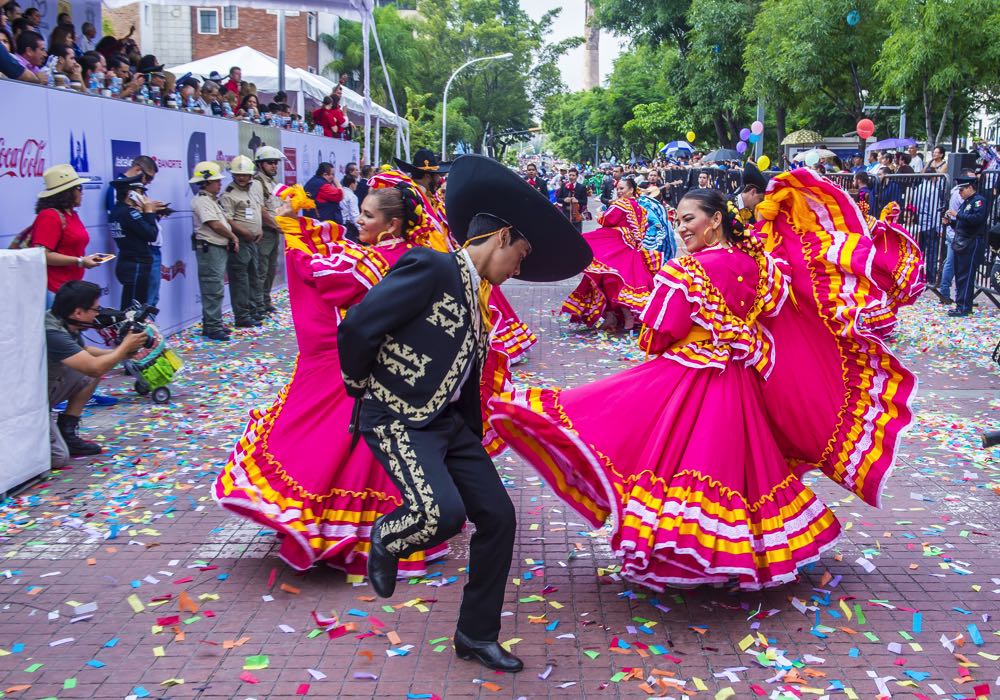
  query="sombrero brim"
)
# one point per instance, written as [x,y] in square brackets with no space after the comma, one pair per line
[480,185]
[440,169]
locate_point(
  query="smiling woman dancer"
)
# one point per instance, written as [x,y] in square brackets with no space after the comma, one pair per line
[295,468]
[790,385]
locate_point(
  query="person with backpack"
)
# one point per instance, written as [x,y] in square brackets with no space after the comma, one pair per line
[58,228]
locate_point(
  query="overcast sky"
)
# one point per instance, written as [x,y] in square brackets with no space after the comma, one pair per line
[570,23]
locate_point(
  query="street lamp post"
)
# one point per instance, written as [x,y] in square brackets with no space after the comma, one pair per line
[444,110]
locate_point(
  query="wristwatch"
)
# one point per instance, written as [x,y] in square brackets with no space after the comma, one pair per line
[79,262]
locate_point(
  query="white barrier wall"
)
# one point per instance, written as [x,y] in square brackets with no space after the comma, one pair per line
[100,137]
[24,412]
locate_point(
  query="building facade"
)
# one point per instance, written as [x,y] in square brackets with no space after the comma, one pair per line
[178,34]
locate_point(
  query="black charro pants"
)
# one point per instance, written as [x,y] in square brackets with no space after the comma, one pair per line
[444,474]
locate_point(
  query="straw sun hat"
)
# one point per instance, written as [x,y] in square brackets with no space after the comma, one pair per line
[60,178]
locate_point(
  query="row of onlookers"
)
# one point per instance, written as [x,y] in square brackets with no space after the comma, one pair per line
[115,68]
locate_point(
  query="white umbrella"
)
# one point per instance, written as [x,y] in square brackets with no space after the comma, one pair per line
[818,152]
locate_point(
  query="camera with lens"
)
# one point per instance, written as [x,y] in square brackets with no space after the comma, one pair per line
[114,324]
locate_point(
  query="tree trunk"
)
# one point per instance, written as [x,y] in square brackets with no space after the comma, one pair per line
[733,131]
[779,122]
[944,119]
[928,125]
[720,128]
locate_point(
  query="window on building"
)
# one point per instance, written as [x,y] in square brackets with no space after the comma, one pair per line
[208,21]
[311,26]
[231,17]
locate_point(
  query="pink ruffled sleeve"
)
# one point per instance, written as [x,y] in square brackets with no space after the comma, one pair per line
[337,268]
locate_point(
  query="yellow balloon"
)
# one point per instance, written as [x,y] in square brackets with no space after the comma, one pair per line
[763,163]
[690,136]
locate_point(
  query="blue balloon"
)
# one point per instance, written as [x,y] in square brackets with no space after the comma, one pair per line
[754,138]
[853,17]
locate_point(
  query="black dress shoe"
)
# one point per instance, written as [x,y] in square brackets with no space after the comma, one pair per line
[955,313]
[382,565]
[216,335]
[489,654]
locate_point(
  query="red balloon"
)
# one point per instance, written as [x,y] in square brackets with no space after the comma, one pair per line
[865,128]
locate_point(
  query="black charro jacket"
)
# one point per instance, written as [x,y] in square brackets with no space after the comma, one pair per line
[409,343]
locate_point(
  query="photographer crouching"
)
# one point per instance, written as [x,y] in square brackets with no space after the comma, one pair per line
[75,368]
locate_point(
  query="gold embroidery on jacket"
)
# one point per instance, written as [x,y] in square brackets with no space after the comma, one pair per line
[472,342]
[403,361]
[448,314]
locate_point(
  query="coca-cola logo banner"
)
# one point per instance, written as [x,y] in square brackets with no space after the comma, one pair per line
[22,159]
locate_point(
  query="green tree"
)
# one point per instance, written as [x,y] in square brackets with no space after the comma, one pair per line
[713,65]
[404,55]
[500,96]
[938,57]
[698,52]
[810,54]
[650,23]
[650,124]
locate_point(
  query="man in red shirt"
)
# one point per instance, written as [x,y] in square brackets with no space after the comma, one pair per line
[322,187]
[235,77]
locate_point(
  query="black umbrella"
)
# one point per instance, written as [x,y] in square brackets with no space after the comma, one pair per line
[722,154]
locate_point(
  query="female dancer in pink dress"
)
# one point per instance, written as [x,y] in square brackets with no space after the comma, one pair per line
[295,469]
[748,390]
[616,286]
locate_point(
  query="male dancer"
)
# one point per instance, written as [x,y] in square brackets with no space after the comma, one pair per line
[412,350]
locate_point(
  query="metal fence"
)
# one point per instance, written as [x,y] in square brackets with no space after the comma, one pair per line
[922,199]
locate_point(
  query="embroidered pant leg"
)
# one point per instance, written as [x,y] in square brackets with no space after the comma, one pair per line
[443,472]
[414,459]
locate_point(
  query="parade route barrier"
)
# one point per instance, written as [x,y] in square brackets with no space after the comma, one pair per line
[24,412]
[99,137]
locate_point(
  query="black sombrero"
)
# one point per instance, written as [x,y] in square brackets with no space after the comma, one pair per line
[480,185]
[752,176]
[424,162]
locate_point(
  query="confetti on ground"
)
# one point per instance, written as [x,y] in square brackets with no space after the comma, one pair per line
[123,572]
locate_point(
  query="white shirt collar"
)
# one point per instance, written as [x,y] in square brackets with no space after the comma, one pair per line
[472,270]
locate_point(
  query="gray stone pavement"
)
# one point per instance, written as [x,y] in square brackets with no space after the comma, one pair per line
[94,560]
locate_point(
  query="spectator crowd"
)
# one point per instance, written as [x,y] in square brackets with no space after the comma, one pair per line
[115,68]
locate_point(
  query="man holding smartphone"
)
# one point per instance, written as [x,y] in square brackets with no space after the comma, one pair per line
[75,369]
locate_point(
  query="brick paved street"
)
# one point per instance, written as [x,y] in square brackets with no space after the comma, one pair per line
[95,563]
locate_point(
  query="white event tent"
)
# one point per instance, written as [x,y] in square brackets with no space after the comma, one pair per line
[306,89]
[346,8]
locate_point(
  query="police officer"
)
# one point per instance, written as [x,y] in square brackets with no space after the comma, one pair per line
[132,223]
[268,159]
[969,244]
[212,240]
[243,203]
